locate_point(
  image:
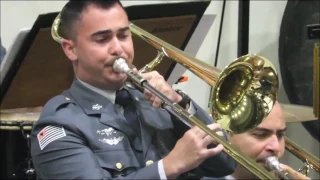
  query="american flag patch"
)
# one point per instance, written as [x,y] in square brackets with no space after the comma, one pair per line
[49,134]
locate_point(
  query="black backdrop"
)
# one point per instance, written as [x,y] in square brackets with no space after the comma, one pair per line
[296,55]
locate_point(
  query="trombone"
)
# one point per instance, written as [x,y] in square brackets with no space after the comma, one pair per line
[243,96]
[310,161]
[233,120]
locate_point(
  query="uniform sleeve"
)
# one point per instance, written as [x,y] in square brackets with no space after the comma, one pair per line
[59,156]
[63,158]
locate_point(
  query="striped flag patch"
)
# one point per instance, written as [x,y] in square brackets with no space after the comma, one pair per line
[49,134]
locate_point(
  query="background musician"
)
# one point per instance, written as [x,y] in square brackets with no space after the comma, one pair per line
[266,140]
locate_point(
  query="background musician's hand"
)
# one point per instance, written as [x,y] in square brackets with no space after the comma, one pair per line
[293,173]
[190,151]
[159,83]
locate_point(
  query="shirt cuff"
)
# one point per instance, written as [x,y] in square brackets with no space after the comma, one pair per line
[162,174]
[191,109]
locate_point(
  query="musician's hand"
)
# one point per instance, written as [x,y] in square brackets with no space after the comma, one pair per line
[293,173]
[190,151]
[159,83]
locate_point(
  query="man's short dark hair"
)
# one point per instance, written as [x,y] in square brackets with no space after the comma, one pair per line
[72,11]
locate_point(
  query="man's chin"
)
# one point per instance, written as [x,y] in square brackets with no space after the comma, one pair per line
[119,81]
[119,75]
[261,163]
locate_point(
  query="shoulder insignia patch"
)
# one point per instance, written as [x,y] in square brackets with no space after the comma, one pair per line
[50,134]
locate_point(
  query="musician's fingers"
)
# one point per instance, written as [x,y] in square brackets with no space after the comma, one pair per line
[194,129]
[208,139]
[156,102]
[150,75]
[219,132]
[293,173]
[134,69]
[149,95]
[154,99]
[213,127]
[212,151]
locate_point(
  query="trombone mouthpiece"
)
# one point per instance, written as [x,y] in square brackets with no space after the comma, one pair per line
[120,65]
[272,163]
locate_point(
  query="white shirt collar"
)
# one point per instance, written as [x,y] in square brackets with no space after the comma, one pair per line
[111,95]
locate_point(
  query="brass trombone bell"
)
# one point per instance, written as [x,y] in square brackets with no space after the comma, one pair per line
[244,93]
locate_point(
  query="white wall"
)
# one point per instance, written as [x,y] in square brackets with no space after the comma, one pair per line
[265,19]
[195,87]
[16,15]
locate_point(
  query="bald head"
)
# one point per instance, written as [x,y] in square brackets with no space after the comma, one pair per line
[276,112]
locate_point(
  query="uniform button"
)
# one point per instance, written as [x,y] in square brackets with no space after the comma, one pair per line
[119,165]
[148,163]
[66,98]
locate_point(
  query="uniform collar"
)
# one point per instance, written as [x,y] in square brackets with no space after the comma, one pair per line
[89,100]
[111,95]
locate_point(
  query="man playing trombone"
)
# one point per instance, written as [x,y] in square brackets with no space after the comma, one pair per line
[89,132]
[266,140]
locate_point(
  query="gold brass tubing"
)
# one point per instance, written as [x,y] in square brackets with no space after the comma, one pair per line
[302,154]
[209,74]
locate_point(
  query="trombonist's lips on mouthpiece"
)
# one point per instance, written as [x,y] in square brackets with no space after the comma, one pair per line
[261,161]
[111,62]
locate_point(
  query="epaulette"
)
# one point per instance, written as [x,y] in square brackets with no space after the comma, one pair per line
[56,103]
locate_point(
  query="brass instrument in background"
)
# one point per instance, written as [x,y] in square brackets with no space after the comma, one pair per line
[244,93]
[310,161]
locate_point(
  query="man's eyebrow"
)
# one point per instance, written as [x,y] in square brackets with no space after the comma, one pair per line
[261,129]
[124,29]
[107,31]
[268,130]
[282,130]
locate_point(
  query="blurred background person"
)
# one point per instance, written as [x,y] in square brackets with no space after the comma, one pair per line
[266,140]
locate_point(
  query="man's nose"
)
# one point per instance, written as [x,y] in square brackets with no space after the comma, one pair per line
[273,144]
[116,47]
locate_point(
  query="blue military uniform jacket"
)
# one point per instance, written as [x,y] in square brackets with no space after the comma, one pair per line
[81,135]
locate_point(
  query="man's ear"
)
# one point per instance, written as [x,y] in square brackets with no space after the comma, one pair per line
[68,47]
